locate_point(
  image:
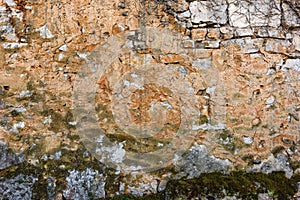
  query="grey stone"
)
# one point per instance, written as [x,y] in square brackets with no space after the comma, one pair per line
[139,45]
[270,100]
[13,45]
[2,103]
[270,72]
[10,2]
[204,63]
[20,109]
[24,94]
[296,42]
[268,32]
[7,157]
[212,44]
[292,64]
[207,126]
[64,47]
[294,55]
[56,156]
[208,11]
[45,32]
[244,13]
[16,127]
[51,188]
[8,32]
[264,196]
[198,161]
[189,24]
[85,185]
[144,188]
[181,23]
[238,13]
[17,188]
[227,31]
[248,139]
[280,163]
[188,44]
[289,36]
[230,198]
[277,45]
[4,18]
[243,32]
[290,16]
[184,15]
[162,185]
[247,45]
[256,55]
[265,13]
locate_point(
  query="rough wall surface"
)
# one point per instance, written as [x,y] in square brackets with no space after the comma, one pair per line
[238,66]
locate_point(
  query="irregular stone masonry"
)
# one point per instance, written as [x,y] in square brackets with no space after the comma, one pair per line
[242,59]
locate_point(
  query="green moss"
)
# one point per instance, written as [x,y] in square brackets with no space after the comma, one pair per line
[240,184]
[266,126]
[133,144]
[69,118]
[36,97]
[136,145]
[59,121]
[31,85]
[230,142]
[272,132]
[225,134]
[233,120]
[4,94]
[103,112]
[44,169]
[238,95]
[295,164]
[203,119]
[227,141]
[111,185]
[276,150]
[248,158]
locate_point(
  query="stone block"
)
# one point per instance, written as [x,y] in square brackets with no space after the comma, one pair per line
[208,11]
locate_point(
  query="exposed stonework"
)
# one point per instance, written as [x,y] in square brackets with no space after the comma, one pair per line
[238,66]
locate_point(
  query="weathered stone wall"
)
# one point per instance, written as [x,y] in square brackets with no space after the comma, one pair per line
[232,67]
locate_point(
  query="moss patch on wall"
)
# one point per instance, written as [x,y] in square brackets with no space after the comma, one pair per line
[217,185]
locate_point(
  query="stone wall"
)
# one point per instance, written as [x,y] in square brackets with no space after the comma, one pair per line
[208,86]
